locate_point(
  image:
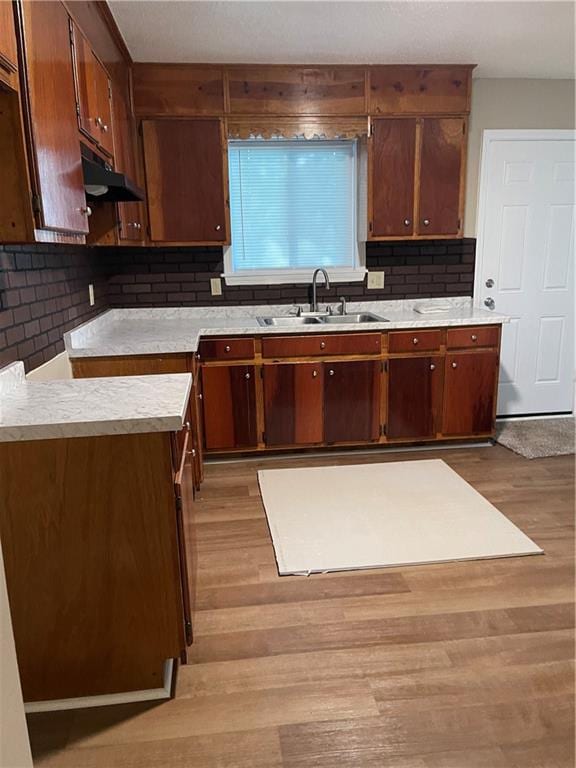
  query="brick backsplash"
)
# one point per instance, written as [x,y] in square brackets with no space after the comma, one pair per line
[181,276]
[44,288]
[43,294]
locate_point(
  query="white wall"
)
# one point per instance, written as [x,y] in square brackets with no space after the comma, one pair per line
[14,744]
[512,103]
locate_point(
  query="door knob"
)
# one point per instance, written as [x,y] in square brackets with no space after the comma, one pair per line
[489,302]
[489,283]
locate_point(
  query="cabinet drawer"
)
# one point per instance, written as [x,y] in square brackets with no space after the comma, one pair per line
[414,341]
[462,338]
[226,349]
[330,344]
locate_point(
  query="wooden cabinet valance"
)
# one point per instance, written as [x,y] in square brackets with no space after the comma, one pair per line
[190,90]
[296,128]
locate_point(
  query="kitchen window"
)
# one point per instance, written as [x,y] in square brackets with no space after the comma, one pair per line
[293,207]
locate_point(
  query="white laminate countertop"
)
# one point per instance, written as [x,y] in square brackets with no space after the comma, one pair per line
[178,330]
[40,410]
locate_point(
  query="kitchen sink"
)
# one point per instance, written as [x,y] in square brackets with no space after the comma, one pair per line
[352,319]
[288,321]
[361,317]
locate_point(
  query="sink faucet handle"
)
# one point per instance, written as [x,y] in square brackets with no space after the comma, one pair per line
[342,305]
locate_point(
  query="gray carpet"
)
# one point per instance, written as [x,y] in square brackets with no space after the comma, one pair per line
[536,439]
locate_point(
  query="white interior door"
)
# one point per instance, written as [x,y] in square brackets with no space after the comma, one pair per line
[525,264]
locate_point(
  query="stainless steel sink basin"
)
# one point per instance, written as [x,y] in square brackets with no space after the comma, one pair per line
[361,317]
[287,321]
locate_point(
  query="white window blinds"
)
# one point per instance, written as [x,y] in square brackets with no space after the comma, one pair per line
[292,206]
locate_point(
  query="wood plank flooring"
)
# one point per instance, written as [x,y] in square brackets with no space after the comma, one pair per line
[462,665]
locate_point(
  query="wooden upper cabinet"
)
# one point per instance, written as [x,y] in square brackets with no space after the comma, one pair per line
[8,48]
[186,180]
[392,166]
[93,102]
[441,176]
[130,214]
[178,90]
[277,90]
[51,117]
[416,90]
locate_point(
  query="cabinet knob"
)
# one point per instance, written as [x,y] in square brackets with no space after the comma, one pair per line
[98,122]
[454,365]
[474,337]
[218,227]
[87,211]
[187,425]
[314,374]
[415,340]
[426,222]
[432,367]
[246,375]
[200,396]
[331,372]
[227,348]
[489,302]
[322,345]
[407,222]
[104,127]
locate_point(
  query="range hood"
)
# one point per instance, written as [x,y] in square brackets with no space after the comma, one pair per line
[101,182]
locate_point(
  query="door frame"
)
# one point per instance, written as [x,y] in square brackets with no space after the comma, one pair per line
[489,136]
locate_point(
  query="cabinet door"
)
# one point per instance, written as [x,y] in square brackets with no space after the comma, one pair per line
[393,147]
[51,109]
[414,397]
[229,405]
[92,93]
[185,179]
[293,403]
[184,493]
[130,216]
[441,164]
[352,401]
[469,393]
[8,50]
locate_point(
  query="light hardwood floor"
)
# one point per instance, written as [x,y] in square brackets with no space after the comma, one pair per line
[463,665]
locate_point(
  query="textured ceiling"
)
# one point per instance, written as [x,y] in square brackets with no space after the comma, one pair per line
[505,39]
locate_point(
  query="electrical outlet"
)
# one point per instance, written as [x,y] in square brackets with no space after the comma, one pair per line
[376,280]
[216,286]
[91,294]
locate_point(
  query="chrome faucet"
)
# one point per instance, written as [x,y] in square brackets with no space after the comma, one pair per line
[314,305]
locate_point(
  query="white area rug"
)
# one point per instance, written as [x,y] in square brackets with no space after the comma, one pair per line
[380,515]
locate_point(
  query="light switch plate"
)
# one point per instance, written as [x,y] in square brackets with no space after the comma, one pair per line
[376,280]
[91,294]
[216,286]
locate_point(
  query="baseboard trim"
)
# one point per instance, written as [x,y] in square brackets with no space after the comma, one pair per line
[108,699]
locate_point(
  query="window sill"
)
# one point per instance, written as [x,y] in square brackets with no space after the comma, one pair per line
[292,276]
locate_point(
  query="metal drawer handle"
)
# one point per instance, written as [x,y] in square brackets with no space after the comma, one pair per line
[432,367]
[322,345]
[227,348]
[415,340]
[454,365]
[246,375]
[474,337]
[331,372]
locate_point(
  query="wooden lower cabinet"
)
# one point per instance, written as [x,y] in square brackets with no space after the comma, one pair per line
[414,397]
[293,403]
[470,383]
[93,561]
[351,401]
[229,407]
